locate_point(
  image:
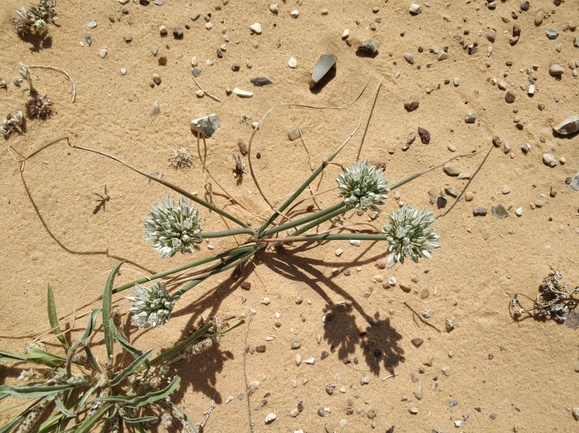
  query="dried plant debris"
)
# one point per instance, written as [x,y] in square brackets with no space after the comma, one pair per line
[555,300]
[240,167]
[181,158]
[38,106]
[36,19]
[10,123]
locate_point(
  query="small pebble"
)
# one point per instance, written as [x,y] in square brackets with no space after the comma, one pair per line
[415,9]
[365,380]
[417,342]
[157,79]
[292,63]
[102,53]
[310,361]
[178,33]
[470,117]
[296,343]
[446,371]
[480,211]
[506,189]
[499,211]
[510,96]
[413,410]
[556,70]
[295,13]
[451,170]
[256,28]
[409,57]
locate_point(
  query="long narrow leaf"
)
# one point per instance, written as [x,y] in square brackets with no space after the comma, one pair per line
[62,408]
[107,306]
[53,318]
[9,356]
[33,391]
[182,345]
[125,343]
[44,357]
[182,416]
[90,327]
[141,400]
[86,425]
[20,417]
[140,419]
[131,368]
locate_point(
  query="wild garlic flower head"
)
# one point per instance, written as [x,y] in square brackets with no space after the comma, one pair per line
[152,305]
[173,228]
[408,233]
[362,186]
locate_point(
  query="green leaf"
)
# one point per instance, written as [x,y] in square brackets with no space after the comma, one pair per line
[141,400]
[181,416]
[86,425]
[42,357]
[90,327]
[53,318]
[63,408]
[140,419]
[131,368]
[20,417]
[9,356]
[33,391]
[125,343]
[182,345]
[107,306]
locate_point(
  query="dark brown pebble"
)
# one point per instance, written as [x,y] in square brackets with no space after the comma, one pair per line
[356,361]
[144,2]
[441,202]
[178,33]
[260,81]
[480,211]
[424,135]
[278,324]
[325,354]
[246,285]
[491,356]
[417,342]
[219,54]
[112,19]
[310,208]
[163,61]
[349,411]
[411,106]
[496,141]
[242,148]
[478,409]
[235,67]
[258,155]
[330,389]
[260,349]
[321,412]
[300,405]
[516,30]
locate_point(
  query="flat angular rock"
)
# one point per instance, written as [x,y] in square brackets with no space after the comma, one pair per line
[242,93]
[499,211]
[451,170]
[556,70]
[209,124]
[323,66]
[568,126]
[256,28]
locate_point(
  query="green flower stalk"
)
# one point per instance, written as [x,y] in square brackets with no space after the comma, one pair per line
[173,228]
[152,305]
[408,235]
[363,187]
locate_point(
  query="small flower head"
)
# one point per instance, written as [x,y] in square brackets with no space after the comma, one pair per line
[173,228]
[362,186]
[152,305]
[408,234]
[181,158]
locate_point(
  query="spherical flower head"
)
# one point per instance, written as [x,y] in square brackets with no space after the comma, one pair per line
[173,228]
[152,305]
[363,187]
[408,234]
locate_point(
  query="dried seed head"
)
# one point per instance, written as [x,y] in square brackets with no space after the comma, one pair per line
[181,158]
[38,106]
[152,305]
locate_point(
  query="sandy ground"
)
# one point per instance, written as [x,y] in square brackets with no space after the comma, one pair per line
[524,372]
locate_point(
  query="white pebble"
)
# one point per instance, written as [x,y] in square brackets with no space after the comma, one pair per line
[355,242]
[123,71]
[392,281]
[346,34]
[256,28]
[242,93]
[295,13]
[339,251]
[310,360]
[265,301]
[292,62]
[298,359]
[270,417]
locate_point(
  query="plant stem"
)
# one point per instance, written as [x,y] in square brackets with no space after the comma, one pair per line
[223,266]
[225,233]
[337,237]
[343,208]
[219,256]
[303,220]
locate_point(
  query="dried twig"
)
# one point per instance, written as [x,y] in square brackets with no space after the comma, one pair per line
[215,98]
[56,68]
[245,373]
[420,317]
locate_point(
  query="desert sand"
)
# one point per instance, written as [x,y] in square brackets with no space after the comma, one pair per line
[491,372]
